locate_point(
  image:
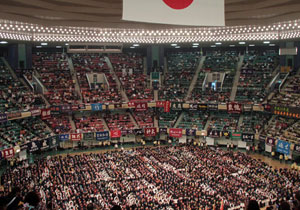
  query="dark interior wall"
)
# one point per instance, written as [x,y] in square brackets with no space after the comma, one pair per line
[13,55]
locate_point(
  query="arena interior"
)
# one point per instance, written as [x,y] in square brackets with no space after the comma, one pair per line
[97,112]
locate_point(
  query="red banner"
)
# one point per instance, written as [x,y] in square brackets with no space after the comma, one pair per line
[141,106]
[35,112]
[115,133]
[175,132]
[234,108]
[46,114]
[150,132]
[8,153]
[167,106]
[131,104]
[160,104]
[76,136]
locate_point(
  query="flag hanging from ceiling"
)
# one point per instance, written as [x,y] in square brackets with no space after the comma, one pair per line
[176,12]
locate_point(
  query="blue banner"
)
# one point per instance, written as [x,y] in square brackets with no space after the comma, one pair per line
[3,118]
[64,137]
[96,107]
[283,147]
[102,136]
[190,132]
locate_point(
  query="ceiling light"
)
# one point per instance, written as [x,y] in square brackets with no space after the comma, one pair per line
[213,46]
[58,46]
[271,45]
[251,45]
[232,45]
[67,44]
[195,44]
[38,46]
[136,45]
[3,42]
[44,44]
[132,47]
[242,42]
[266,42]
[218,43]
[173,45]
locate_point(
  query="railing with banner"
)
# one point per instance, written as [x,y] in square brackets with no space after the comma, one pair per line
[231,107]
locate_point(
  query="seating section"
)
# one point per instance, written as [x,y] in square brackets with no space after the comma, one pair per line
[181,70]
[95,63]
[256,74]
[14,96]
[129,68]
[88,123]
[224,122]
[54,72]
[119,121]
[167,119]
[195,120]
[216,62]
[22,131]
[144,119]
[290,94]
[59,124]
[254,122]
[277,126]
[292,133]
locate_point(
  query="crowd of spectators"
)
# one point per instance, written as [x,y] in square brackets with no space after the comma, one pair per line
[194,120]
[94,63]
[59,123]
[119,121]
[144,119]
[54,72]
[15,96]
[130,70]
[224,122]
[254,122]
[276,127]
[88,123]
[181,70]
[184,177]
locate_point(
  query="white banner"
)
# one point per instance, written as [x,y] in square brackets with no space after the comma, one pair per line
[176,12]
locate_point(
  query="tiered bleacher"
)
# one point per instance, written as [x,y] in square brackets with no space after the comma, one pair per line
[95,63]
[54,72]
[292,133]
[88,123]
[144,119]
[15,96]
[129,68]
[290,94]
[21,131]
[59,124]
[181,70]
[119,121]
[256,74]
[224,122]
[219,62]
[254,122]
[193,120]
[278,126]
[167,119]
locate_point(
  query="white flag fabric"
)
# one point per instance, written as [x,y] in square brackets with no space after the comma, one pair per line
[176,12]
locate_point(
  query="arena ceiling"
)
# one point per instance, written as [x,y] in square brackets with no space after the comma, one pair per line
[108,13]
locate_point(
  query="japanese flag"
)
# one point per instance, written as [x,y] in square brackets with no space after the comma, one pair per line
[176,12]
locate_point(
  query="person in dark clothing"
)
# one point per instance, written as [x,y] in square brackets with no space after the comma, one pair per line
[13,199]
[253,205]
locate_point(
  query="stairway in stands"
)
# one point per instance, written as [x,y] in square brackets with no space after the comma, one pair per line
[179,119]
[74,77]
[193,83]
[119,85]
[236,78]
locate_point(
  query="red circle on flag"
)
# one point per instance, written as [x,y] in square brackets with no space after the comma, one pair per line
[178,4]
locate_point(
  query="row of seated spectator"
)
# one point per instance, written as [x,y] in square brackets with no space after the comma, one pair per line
[119,121]
[193,120]
[14,96]
[256,74]
[224,122]
[21,131]
[129,68]
[59,123]
[290,94]
[220,63]
[85,64]
[254,122]
[90,122]
[54,72]
[292,133]
[167,119]
[144,119]
[170,177]
[181,70]
[276,127]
